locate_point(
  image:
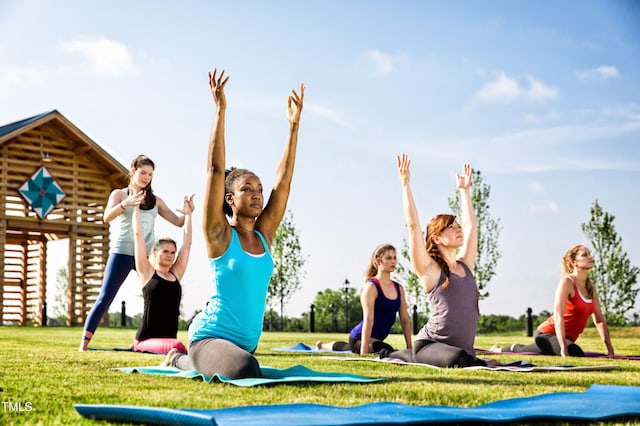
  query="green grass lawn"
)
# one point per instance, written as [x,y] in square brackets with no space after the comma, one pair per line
[41,370]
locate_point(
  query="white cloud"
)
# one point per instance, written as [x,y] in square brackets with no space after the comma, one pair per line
[535,187]
[538,91]
[548,206]
[327,113]
[379,63]
[603,72]
[103,56]
[563,147]
[18,77]
[532,118]
[505,89]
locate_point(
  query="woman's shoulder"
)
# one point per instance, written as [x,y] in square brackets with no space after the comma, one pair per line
[567,285]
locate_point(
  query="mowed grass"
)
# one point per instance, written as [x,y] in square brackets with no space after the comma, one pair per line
[42,376]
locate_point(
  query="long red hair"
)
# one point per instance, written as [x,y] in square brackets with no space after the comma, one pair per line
[436,225]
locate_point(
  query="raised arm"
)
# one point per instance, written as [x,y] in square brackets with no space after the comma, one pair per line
[421,262]
[469,224]
[368,301]
[168,214]
[144,268]
[273,212]
[216,228]
[182,259]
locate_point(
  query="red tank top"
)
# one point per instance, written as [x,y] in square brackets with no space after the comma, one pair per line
[576,314]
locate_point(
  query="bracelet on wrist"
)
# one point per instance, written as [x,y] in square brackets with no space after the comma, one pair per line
[122,206]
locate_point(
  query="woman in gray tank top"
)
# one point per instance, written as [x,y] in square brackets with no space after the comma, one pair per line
[443,263]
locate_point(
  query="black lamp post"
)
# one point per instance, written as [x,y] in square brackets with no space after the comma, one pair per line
[334,323]
[346,305]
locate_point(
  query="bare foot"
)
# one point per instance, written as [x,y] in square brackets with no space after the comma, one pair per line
[495,348]
[492,363]
[84,344]
[173,352]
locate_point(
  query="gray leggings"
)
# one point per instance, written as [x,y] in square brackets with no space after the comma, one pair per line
[212,357]
[547,344]
[438,354]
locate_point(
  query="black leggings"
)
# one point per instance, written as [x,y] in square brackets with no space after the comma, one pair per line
[212,357]
[546,344]
[438,354]
[354,346]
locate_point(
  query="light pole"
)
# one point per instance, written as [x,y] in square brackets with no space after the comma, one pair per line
[346,305]
[334,323]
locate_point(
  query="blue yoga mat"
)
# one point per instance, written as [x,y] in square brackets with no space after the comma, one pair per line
[599,402]
[295,374]
[301,347]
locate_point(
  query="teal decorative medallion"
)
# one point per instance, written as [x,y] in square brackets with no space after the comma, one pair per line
[42,192]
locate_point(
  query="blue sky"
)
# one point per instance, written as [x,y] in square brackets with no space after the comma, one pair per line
[542,97]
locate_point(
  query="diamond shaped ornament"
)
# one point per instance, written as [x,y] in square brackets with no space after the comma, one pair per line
[42,192]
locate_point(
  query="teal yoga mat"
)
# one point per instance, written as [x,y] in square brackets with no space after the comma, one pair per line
[295,374]
[599,402]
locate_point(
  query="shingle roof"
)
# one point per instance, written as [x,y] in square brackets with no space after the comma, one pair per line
[11,127]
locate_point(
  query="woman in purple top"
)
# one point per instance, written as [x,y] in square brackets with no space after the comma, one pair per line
[381,299]
[443,262]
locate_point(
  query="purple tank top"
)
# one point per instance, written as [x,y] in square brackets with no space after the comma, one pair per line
[454,312]
[384,314]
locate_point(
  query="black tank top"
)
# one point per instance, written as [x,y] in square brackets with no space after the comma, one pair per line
[161,308]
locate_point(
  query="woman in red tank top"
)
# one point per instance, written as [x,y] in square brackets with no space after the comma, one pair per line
[576,300]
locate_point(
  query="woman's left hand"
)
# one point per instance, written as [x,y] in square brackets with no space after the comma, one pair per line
[294,105]
[464,179]
[189,206]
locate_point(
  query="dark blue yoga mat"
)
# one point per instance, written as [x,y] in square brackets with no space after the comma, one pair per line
[301,347]
[599,402]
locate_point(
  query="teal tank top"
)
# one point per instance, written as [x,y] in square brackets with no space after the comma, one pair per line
[235,310]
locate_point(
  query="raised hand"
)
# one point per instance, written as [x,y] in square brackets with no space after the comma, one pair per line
[217,83]
[403,168]
[133,199]
[189,206]
[294,105]
[463,180]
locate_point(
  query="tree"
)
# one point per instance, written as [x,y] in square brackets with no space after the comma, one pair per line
[415,294]
[488,232]
[330,310]
[288,262]
[613,275]
[60,299]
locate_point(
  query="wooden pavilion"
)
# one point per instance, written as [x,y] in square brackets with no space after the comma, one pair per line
[54,184]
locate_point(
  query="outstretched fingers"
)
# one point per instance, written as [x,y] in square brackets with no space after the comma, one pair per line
[298,99]
[294,104]
[404,163]
[217,83]
[464,179]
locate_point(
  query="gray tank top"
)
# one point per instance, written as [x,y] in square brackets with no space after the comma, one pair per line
[454,312]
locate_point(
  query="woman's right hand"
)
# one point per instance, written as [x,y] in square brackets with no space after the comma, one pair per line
[403,168]
[217,83]
[133,199]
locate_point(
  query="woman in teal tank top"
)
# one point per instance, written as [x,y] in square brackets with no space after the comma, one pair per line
[238,229]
